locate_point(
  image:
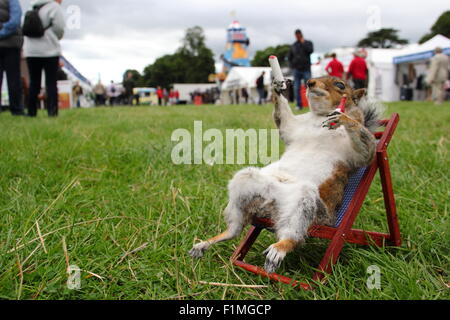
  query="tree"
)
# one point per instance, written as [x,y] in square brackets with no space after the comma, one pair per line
[193,62]
[261,58]
[383,38]
[136,75]
[441,26]
[196,58]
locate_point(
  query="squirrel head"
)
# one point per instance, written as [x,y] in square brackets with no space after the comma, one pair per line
[325,94]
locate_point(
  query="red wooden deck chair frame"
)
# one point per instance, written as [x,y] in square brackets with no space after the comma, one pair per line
[343,232]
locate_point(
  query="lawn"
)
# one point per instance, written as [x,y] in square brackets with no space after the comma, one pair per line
[97,188]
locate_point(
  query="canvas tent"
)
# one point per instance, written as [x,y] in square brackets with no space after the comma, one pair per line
[244,77]
[65,86]
[424,51]
[411,65]
[381,84]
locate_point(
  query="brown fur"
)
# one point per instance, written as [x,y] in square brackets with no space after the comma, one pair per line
[332,190]
[328,84]
[218,238]
[286,245]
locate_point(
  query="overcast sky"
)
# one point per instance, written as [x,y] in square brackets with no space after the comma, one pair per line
[115,35]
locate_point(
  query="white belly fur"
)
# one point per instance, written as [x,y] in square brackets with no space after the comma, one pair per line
[313,155]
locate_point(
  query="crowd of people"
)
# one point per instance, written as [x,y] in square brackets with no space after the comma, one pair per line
[358,72]
[208,96]
[116,94]
[167,97]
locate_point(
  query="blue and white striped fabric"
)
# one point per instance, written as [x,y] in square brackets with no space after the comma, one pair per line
[349,192]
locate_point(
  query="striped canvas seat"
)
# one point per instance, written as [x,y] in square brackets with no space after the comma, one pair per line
[349,192]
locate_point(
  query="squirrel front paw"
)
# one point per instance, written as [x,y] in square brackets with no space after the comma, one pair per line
[274,257]
[334,120]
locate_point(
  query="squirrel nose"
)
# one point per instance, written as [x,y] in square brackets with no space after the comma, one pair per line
[311,83]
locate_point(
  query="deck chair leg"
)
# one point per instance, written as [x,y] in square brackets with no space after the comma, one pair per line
[389,199]
[245,245]
[330,257]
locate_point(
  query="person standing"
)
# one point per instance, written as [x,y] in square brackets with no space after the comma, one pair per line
[166,97]
[77,92]
[358,71]
[43,54]
[160,95]
[171,97]
[177,96]
[300,62]
[129,85]
[260,88]
[11,42]
[437,75]
[100,93]
[112,93]
[335,67]
[244,94]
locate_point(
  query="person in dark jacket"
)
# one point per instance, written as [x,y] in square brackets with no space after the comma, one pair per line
[300,61]
[129,85]
[11,41]
[261,88]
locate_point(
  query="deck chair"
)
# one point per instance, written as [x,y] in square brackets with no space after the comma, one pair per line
[342,232]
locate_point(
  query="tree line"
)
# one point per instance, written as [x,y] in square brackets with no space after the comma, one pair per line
[193,62]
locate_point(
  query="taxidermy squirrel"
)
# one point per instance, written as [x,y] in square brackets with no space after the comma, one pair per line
[304,187]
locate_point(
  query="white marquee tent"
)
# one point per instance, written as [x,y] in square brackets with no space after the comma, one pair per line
[419,52]
[244,77]
[411,65]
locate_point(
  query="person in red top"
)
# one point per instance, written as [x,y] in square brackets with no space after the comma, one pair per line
[177,96]
[358,71]
[335,67]
[172,100]
[160,94]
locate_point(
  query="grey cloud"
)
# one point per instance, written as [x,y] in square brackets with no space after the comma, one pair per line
[327,23]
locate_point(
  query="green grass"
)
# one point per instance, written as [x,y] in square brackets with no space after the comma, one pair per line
[101,181]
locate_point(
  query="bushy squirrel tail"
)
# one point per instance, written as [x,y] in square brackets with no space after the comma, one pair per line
[373,112]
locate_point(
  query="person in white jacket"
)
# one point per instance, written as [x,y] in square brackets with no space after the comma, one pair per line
[437,75]
[43,54]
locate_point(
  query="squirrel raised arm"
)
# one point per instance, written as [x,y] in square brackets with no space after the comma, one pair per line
[282,114]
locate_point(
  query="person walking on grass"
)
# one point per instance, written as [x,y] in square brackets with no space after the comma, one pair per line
[300,62]
[11,42]
[437,75]
[42,54]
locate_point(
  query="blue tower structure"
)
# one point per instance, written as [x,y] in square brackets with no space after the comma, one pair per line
[236,51]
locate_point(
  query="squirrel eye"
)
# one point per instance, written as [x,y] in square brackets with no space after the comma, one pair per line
[340,85]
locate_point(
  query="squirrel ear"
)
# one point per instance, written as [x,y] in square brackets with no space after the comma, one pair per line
[358,94]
